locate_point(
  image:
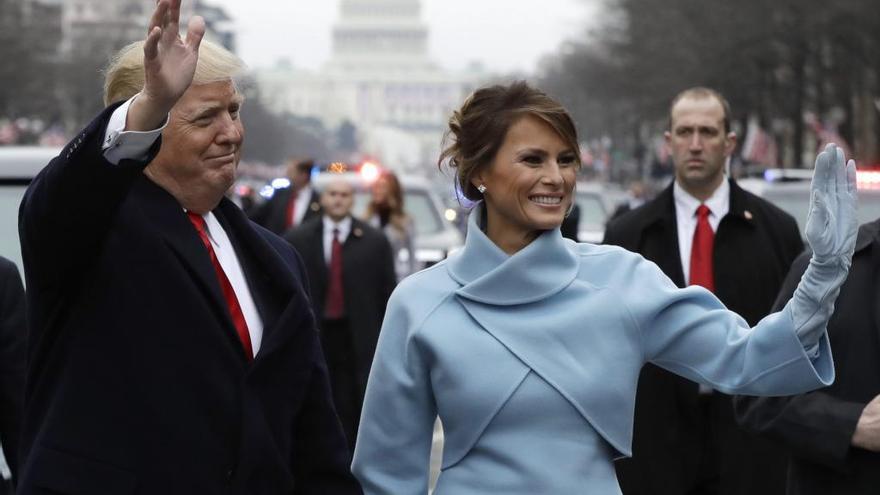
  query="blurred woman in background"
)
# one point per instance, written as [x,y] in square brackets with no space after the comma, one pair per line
[385,211]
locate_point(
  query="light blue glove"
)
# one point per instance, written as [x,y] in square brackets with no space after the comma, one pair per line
[831,233]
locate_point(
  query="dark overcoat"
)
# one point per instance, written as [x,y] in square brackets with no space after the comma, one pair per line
[368,280]
[137,382]
[273,213]
[755,244]
[13,335]
[817,427]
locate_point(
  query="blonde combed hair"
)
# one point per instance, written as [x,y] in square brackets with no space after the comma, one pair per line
[124,75]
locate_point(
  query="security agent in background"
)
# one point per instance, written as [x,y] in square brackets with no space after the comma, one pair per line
[290,206]
[833,434]
[12,366]
[704,229]
[171,346]
[351,270]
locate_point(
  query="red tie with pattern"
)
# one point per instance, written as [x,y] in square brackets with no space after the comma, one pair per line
[291,210]
[334,306]
[231,300]
[702,272]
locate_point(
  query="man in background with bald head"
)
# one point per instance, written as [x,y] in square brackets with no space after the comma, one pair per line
[704,230]
[351,268]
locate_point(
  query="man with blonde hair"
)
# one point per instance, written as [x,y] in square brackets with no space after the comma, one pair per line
[171,346]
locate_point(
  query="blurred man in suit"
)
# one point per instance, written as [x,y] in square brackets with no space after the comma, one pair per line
[351,269]
[171,347]
[293,205]
[704,229]
[833,434]
[12,365]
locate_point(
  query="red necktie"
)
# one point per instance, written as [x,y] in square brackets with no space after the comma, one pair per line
[334,306]
[702,272]
[291,209]
[231,300]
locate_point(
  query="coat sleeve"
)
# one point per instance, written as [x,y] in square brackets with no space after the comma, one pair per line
[12,360]
[816,426]
[689,332]
[69,207]
[396,429]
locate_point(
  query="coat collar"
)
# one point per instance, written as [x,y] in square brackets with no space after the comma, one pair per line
[741,206]
[868,233]
[250,247]
[488,275]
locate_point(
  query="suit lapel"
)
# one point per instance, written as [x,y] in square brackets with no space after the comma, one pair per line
[270,280]
[875,264]
[179,234]
[665,233]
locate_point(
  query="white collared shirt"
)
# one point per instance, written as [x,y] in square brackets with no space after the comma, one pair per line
[302,203]
[119,145]
[344,228]
[686,218]
[232,267]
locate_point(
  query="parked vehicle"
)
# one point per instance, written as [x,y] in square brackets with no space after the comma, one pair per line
[18,166]
[596,202]
[792,193]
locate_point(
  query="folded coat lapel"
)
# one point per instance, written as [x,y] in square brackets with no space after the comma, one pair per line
[564,329]
[570,347]
[280,297]
[178,233]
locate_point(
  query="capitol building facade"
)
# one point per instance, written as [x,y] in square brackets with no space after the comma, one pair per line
[381,79]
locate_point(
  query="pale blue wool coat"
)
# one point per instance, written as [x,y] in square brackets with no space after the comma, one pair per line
[531,363]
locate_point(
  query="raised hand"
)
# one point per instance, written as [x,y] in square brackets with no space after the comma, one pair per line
[831,222]
[169,65]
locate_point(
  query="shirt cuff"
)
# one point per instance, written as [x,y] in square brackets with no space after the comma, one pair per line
[120,144]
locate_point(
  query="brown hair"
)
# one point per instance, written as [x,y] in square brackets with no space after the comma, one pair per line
[394,207]
[701,93]
[477,130]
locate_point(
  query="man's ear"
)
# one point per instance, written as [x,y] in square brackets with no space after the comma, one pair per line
[729,143]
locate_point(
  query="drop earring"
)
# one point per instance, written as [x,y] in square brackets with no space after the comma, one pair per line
[481,188]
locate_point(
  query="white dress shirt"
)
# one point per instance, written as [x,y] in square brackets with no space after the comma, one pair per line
[120,144]
[686,218]
[344,228]
[303,199]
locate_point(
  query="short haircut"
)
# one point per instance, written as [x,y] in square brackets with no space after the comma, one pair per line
[478,129]
[124,75]
[701,93]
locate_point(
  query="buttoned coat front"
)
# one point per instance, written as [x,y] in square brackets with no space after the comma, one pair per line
[569,324]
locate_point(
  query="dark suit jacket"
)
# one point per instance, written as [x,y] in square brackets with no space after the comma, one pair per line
[137,382]
[273,213]
[755,244]
[368,280]
[817,427]
[12,359]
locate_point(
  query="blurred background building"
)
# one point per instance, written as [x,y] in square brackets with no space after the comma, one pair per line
[380,83]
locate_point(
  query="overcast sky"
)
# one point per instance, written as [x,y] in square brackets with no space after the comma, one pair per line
[505,35]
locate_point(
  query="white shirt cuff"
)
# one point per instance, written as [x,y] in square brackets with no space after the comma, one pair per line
[120,144]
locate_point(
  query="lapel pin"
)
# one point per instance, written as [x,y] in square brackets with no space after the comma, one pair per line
[315,206]
[358,232]
[747,214]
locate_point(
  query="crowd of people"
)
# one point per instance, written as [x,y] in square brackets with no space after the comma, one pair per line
[175,345]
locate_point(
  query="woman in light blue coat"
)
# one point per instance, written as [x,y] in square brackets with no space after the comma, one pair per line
[528,346]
